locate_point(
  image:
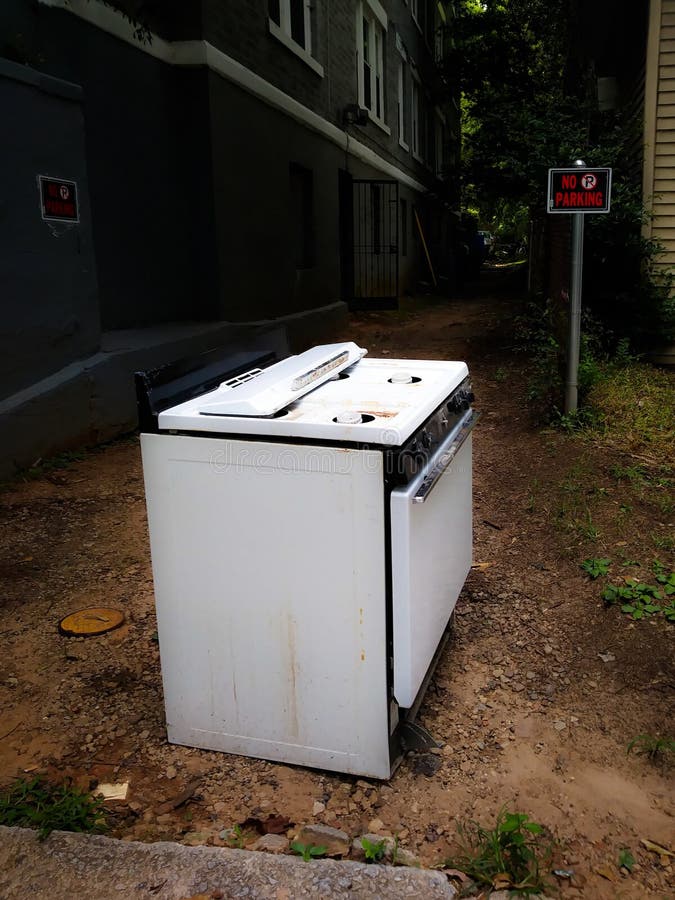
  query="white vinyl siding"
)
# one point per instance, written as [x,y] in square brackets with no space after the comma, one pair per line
[659,179]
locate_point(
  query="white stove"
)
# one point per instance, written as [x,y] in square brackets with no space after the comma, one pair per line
[380,401]
[310,527]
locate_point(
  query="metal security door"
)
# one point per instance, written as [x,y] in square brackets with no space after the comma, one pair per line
[375,243]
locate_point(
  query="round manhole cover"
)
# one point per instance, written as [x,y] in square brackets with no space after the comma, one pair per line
[94,620]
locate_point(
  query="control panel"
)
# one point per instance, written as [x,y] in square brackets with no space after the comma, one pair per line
[413,456]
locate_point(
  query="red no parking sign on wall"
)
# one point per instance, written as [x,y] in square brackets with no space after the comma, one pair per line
[58,199]
[579,190]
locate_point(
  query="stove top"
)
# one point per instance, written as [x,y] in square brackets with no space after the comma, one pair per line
[374,401]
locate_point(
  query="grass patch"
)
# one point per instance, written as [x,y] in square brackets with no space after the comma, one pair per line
[652,746]
[515,855]
[634,410]
[35,803]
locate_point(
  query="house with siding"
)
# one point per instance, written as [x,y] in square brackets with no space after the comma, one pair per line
[659,128]
[238,161]
[626,52]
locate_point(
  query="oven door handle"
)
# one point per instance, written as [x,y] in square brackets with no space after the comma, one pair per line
[433,476]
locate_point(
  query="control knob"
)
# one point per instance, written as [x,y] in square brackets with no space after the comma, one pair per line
[460,401]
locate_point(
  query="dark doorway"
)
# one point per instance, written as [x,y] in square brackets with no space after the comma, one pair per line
[369,242]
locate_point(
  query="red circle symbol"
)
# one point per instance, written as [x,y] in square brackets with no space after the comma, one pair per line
[588,181]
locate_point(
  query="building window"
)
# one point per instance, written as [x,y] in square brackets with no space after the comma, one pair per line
[415,109]
[440,24]
[291,21]
[403,103]
[302,216]
[422,124]
[371,27]
[294,19]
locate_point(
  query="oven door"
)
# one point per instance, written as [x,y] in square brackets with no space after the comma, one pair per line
[431,537]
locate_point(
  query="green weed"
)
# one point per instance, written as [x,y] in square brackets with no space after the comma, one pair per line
[35,803]
[394,850]
[515,854]
[234,837]
[373,850]
[594,568]
[586,528]
[59,461]
[640,599]
[308,851]
[626,860]
[663,541]
[652,746]
[636,475]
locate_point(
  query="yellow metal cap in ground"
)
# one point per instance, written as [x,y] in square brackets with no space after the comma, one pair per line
[93,620]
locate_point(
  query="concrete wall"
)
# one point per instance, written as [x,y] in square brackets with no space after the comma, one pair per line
[48,292]
[251,186]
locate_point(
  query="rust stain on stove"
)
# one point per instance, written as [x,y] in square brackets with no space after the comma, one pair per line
[380,413]
[293,671]
[363,656]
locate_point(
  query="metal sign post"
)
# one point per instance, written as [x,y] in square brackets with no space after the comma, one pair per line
[574,339]
[578,191]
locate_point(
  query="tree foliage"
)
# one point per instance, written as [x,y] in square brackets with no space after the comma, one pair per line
[520,114]
[529,102]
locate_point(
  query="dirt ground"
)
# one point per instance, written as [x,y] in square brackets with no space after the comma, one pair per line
[535,700]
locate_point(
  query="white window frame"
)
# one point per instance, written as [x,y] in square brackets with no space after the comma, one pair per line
[440,22]
[374,14]
[282,33]
[403,80]
[415,97]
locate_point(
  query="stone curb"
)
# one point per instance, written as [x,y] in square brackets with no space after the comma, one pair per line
[67,866]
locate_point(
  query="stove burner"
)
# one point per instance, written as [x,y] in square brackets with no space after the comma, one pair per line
[403,378]
[353,418]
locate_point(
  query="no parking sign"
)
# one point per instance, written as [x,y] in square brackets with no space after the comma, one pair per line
[579,190]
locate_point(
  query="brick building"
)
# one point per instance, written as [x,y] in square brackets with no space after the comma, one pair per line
[221,144]
[236,160]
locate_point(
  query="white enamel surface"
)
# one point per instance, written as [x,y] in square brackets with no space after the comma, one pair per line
[281,384]
[431,557]
[269,571]
[397,409]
